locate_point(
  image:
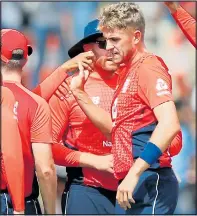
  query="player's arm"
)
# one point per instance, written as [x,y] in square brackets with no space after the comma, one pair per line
[11,148]
[41,138]
[53,81]
[98,116]
[63,155]
[156,90]
[185,21]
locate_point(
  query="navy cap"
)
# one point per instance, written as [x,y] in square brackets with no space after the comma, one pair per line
[91,32]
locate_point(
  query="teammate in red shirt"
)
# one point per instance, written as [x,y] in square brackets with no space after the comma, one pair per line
[34,123]
[45,90]
[143,113]
[185,21]
[83,144]
[98,116]
[11,157]
[142,109]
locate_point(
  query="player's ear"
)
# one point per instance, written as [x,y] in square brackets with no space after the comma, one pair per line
[137,37]
[87,47]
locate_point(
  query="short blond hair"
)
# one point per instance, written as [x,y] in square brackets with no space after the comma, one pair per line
[122,15]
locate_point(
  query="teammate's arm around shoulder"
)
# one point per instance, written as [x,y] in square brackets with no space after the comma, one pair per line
[41,137]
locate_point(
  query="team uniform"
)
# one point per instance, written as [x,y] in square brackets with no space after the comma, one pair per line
[35,127]
[46,90]
[34,119]
[11,157]
[143,86]
[87,190]
[187,24]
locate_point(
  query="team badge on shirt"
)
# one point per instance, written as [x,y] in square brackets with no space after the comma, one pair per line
[96,100]
[162,87]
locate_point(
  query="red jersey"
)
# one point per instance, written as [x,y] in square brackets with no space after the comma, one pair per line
[143,86]
[34,125]
[187,24]
[70,122]
[12,165]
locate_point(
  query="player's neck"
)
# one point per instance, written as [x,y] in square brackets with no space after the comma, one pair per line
[13,76]
[103,74]
[139,52]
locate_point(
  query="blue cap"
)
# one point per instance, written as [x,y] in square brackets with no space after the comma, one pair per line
[90,32]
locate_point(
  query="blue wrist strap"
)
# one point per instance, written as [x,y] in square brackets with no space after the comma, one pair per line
[151,153]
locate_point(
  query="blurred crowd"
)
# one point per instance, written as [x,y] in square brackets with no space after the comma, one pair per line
[53,27]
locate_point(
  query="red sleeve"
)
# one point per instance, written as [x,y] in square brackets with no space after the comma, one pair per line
[155,85]
[41,128]
[12,151]
[187,24]
[176,145]
[50,84]
[60,116]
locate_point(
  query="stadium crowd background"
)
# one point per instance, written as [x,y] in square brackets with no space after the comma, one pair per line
[53,27]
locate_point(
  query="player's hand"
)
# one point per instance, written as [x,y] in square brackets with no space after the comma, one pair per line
[19,212]
[104,163]
[86,59]
[78,81]
[172,6]
[63,91]
[125,190]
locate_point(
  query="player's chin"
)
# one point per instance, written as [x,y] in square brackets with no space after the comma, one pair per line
[110,66]
[117,59]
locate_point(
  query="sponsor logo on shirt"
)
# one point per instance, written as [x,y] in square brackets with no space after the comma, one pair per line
[107,144]
[96,100]
[162,87]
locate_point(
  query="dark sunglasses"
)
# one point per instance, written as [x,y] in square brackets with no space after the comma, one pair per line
[101,44]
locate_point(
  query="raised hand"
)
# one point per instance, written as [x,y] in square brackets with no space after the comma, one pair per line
[86,59]
[78,81]
[172,6]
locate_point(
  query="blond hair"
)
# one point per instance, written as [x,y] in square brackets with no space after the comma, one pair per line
[122,15]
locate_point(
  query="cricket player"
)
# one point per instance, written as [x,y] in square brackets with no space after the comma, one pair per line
[45,90]
[85,151]
[34,124]
[11,157]
[184,20]
[143,113]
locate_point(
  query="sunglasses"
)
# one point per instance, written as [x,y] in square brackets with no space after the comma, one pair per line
[101,44]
